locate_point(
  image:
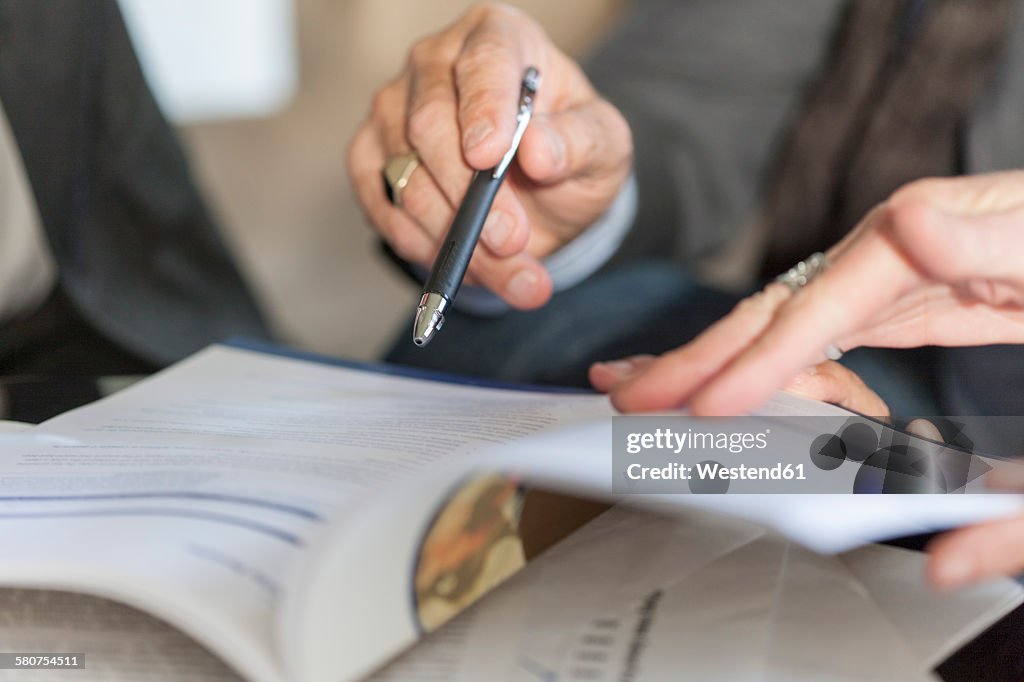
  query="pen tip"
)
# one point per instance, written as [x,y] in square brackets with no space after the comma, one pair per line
[426,325]
[429,317]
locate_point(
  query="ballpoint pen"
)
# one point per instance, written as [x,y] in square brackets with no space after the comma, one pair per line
[457,249]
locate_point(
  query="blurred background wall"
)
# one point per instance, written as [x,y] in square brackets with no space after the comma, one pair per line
[267,94]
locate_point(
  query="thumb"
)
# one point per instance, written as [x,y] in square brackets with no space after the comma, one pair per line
[588,139]
[956,248]
[833,383]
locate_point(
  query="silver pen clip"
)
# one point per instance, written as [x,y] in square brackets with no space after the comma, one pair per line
[531,79]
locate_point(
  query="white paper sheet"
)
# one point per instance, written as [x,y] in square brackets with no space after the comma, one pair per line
[642,597]
[193,493]
[120,644]
[193,482]
[579,458]
[734,604]
[933,625]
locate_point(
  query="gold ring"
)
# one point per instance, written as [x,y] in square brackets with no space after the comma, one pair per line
[397,172]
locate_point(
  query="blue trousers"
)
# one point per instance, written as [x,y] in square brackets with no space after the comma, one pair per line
[654,307]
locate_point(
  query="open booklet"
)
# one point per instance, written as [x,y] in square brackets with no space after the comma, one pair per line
[630,595]
[308,522]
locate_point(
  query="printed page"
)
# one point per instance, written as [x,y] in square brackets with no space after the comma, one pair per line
[212,564]
[934,626]
[635,596]
[580,612]
[577,459]
[193,494]
[338,579]
[235,469]
[118,643]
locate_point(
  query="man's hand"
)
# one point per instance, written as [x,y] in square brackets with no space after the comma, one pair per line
[940,263]
[455,106]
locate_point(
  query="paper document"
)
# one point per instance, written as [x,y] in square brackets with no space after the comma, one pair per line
[630,596]
[278,511]
[641,597]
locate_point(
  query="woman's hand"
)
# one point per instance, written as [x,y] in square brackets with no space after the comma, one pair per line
[828,381]
[982,551]
[940,263]
[976,553]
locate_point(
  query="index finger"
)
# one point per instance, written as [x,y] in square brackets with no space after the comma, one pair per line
[488,76]
[670,380]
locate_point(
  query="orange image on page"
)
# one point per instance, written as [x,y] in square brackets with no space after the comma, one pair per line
[472,546]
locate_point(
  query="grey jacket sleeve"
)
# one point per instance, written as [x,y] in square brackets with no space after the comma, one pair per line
[708,88]
[139,253]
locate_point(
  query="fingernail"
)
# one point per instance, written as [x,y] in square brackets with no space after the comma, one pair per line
[522,286]
[956,570]
[924,429]
[476,134]
[556,146]
[799,380]
[621,368]
[498,229]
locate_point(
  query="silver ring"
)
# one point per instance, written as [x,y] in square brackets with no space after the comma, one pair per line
[397,172]
[801,274]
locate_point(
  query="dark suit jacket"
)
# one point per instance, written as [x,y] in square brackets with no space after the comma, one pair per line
[138,252]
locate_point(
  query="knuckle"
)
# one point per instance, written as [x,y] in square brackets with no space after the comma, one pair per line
[415,200]
[833,372]
[619,130]
[914,196]
[905,211]
[420,53]
[382,106]
[406,243]
[426,119]
[354,153]
[491,11]
[763,303]
[378,104]
[480,102]
[421,202]
[601,140]
[428,51]
[592,148]
[487,273]
[921,188]
[752,305]
[482,58]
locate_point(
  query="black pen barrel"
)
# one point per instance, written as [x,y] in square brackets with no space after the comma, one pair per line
[457,249]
